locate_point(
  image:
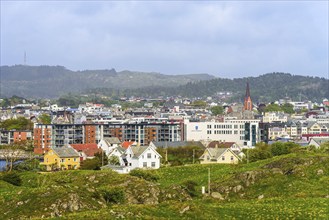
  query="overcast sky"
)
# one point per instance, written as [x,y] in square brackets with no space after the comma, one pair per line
[223,38]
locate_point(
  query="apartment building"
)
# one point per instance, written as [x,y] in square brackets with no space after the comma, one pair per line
[244,132]
[60,135]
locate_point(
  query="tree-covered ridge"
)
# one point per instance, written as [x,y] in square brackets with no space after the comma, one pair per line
[53,81]
[264,88]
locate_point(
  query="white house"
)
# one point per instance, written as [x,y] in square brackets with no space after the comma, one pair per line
[219,155]
[142,157]
[109,144]
[317,141]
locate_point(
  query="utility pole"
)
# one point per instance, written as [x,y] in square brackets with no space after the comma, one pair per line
[102,158]
[166,157]
[193,155]
[209,181]
[247,155]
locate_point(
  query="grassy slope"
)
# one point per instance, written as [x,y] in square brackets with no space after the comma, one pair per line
[297,192]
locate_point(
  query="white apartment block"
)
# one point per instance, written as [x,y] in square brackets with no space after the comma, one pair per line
[241,131]
[269,117]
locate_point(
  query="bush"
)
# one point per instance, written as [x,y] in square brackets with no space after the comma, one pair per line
[28,165]
[190,187]
[146,175]
[258,154]
[91,164]
[115,195]
[280,148]
[12,178]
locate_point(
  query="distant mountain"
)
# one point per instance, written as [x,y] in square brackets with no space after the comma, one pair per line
[265,88]
[53,81]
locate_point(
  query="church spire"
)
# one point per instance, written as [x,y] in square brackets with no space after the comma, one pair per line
[247,91]
[247,99]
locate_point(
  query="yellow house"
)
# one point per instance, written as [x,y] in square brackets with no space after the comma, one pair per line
[64,158]
[219,155]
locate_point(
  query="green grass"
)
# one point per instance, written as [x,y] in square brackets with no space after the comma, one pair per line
[301,193]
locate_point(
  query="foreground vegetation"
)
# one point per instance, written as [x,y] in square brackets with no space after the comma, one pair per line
[289,186]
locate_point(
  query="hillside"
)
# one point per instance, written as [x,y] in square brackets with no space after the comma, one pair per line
[53,81]
[264,88]
[285,187]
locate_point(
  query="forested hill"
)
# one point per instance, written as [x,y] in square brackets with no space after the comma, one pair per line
[264,88]
[53,81]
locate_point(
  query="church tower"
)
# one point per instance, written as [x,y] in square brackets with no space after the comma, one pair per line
[247,99]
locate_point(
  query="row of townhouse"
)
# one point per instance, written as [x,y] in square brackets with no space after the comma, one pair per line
[292,130]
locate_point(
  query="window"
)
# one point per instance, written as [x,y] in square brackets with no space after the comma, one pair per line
[144,164]
[153,164]
[75,159]
[232,158]
[223,157]
[62,160]
[149,155]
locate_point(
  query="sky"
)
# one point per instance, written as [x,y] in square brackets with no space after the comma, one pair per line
[228,39]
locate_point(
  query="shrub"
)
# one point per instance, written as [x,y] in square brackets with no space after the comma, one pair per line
[258,154]
[279,148]
[190,187]
[28,165]
[91,164]
[12,178]
[115,195]
[144,174]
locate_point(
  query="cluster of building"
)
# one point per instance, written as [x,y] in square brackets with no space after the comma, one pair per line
[92,124]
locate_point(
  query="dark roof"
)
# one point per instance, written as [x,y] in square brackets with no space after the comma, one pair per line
[166,144]
[217,144]
[65,152]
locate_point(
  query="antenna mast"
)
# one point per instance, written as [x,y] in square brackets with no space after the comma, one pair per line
[24,58]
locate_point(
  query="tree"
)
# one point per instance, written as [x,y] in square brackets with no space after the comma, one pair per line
[273,108]
[288,108]
[44,119]
[217,110]
[114,160]
[20,123]
[12,153]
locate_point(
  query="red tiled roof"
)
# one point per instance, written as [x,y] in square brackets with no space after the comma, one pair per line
[89,149]
[126,144]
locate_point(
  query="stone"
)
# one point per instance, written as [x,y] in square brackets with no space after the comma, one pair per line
[237,188]
[320,172]
[277,170]
[261,197]
[217,195]
[184,209]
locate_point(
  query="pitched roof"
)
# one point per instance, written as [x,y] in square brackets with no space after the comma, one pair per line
[320,140]
[219,144]
[112,140]
[126,144]
[138,150]
[166,144]
[89,149]
[65,151]
[216,152]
